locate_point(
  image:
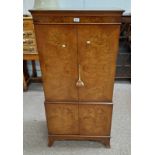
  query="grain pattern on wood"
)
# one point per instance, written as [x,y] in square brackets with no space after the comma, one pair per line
[62,19]
[64,16]
[58,58]
[95,119]
[97,47]
[62,118]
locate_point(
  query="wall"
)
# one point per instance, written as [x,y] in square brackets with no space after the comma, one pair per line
[120,4]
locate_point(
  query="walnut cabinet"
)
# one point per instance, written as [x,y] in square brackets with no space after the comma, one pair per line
[78,51]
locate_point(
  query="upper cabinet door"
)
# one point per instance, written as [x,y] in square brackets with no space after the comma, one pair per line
[97,48]
[57,48]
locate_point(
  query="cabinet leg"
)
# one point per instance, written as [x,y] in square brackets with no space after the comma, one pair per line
[106,142]
[50,141]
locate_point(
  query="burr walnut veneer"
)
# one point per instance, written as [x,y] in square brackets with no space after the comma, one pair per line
[78,51]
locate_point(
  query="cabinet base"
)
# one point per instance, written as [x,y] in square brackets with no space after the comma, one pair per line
[105,140]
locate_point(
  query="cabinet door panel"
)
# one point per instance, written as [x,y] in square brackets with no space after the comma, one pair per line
[62,118]
[57,48]
[97,47]
[95,119]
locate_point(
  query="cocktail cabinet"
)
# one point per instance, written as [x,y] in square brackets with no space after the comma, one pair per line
[78,51]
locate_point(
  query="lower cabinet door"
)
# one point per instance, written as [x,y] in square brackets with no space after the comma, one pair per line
[95,119]
[62,118]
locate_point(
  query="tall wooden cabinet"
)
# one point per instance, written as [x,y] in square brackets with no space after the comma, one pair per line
[78,52]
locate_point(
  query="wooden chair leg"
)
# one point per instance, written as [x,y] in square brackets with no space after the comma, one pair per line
[34,71]
[25,69]
[25,87]
[25,76]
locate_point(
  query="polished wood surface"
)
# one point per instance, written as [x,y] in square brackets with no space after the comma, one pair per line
[61,20]
[95,119]
[58,59]
[62,118]
[98,47]
[77,52]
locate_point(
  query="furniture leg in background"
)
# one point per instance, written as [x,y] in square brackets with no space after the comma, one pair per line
[26,77]
[29,52]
